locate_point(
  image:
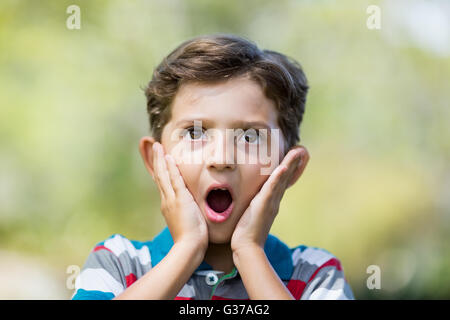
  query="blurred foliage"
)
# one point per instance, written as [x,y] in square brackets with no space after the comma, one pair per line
[376,190]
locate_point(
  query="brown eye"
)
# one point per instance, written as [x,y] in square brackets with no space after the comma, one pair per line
[194,133]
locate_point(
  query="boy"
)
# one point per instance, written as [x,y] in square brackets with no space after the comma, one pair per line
[218,203]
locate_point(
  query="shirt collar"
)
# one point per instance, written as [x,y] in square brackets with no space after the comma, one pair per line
[277,252]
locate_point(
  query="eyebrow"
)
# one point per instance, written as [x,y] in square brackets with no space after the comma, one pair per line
[236,124]
[253,124]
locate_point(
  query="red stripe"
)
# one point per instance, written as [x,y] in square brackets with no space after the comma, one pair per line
[101,248]
[184,298]
[131,278]
[333,262]
[296,288]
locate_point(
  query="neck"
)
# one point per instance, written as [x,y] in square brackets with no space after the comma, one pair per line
[220,257]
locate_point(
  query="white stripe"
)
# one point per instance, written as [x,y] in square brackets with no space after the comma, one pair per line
[316,256]
[98,279]
[119,245]
[187,291]
[144,255]
[326,294]
[296,256]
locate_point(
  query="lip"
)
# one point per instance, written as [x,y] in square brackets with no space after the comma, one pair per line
[210,213]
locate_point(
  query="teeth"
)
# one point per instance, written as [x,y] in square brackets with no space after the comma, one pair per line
[220,188]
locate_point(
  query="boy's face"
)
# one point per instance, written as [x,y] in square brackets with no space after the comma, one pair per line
[235,104]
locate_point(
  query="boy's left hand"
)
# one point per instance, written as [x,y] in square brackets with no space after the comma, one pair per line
[253,227]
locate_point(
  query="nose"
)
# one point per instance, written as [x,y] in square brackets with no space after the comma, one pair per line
[221,153]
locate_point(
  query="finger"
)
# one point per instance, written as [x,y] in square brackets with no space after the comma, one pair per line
[175,176]
[269,186]
[291,161]
[156,172]
[279,179]
[284,168]
[162,173]
[292,158]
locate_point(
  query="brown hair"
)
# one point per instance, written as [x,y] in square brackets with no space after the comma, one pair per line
[213,58]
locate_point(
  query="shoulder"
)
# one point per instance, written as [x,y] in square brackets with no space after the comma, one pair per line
[313,257]
[111,266]
[318,274]
[121,247]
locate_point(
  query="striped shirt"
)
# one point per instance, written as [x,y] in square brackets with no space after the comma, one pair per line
[116,263]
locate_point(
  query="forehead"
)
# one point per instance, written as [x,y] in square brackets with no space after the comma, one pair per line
[224,102]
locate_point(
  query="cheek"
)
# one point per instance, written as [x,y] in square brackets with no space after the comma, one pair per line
[191,174]
[189,152]
[252,181]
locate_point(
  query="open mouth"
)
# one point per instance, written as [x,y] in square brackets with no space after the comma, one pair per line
[219,200]
[219,203]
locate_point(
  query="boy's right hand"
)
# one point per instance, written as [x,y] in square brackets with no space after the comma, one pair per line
[182,214]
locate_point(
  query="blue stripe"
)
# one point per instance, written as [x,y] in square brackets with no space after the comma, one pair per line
[138,244]
[92,295]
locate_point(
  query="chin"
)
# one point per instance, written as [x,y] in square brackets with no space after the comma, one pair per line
[219,237]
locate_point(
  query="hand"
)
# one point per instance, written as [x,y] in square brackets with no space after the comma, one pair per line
[254,225]
[182,214]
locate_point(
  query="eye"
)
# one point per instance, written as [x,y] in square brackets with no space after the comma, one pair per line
[193,133]
[250,136]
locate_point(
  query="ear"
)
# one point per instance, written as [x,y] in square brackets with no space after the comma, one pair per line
[304,158]
[146,150]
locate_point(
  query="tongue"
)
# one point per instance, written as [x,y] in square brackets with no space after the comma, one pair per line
[219,200]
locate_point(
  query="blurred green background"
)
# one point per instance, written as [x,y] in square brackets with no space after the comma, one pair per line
[376,190]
